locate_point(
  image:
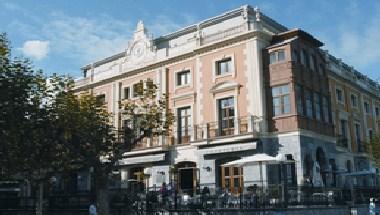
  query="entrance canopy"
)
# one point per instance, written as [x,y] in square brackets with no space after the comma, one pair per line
[260,158]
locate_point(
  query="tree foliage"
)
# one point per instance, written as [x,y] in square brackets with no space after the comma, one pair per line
[47,128]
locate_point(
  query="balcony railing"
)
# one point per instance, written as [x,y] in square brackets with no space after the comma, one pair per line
[202,132]
[240,126]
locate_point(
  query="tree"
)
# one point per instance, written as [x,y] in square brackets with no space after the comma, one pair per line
[86,132]
[28,149]
[374,148]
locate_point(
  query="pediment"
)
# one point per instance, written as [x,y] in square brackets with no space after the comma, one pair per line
[140,49]
[225,86]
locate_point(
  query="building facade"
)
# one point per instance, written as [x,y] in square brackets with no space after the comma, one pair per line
[240,84]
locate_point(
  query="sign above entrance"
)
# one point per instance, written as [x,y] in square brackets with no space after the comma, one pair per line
[230,148]
[143,159]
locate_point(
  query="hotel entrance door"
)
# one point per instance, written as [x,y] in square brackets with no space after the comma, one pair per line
[187,177]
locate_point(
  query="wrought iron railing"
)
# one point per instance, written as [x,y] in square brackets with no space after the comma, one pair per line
[202,132]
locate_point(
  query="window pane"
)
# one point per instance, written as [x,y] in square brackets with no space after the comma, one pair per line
[281,55]
[275,91]
[272,58]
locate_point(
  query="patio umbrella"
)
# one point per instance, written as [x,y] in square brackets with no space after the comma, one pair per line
[259,159]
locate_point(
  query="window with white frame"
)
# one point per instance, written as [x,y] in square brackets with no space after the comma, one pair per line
[339,95]
[354,100]
[224,66]
[367,108]
[277,56]
[226,110]
[183,78]
[281,100]
[184,124]
[127,92]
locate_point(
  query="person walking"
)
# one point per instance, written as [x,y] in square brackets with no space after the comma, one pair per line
[92,209]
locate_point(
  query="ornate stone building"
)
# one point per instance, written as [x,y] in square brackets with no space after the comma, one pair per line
[240,84]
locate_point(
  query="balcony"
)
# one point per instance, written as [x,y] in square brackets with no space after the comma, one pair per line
[214,130]
[248,125]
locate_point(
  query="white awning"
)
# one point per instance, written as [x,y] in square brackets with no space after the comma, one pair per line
[230,148]
[260,158]
[142,159]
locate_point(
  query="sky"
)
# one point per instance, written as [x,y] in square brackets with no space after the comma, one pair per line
[62,36]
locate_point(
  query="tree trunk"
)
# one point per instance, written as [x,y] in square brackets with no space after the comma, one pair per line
[40,198]
[102,200]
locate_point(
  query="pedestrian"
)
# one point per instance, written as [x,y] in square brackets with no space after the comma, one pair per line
[372,206]
[92,209]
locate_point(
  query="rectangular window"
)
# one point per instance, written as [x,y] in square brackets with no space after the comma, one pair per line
[299,96]
[277,56]
[184,124]
[321,69]
[303,57]
[354,100]
[339,95]
[370,134]
[295,55]
[343,128]
[377,112]
[183,78]
[317,106]
[281,100]
[226,110]
[357,133]
[309,103]
[312,62]
[101,99]
[138,89]
[224,66]
[367,108]
[127,92]
[326,112]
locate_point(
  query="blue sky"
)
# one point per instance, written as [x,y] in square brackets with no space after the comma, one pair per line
[61,36]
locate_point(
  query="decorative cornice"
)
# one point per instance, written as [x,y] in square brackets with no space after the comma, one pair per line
[238,38]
